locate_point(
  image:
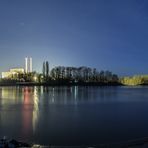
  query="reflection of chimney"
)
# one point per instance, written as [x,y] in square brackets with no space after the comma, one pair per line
[30,64]
[26,65]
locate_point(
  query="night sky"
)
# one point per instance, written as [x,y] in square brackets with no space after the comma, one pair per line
[106,34]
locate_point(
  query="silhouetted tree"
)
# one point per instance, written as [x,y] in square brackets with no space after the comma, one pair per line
[53,74]
[115,78]
[47,69]
[101,76]
[44,69]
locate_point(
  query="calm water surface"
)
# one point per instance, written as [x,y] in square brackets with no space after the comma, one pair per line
[74,115]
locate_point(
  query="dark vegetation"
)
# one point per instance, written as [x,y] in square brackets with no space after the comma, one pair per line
[61,75]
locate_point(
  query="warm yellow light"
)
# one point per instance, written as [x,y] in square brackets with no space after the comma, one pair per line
[35,78]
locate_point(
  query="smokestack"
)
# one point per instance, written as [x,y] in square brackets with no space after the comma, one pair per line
[30,64]
[26,65]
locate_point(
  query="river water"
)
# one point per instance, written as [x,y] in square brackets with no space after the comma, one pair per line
[74,115]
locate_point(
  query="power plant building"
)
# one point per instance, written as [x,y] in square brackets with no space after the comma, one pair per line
[15,71]
[12,72]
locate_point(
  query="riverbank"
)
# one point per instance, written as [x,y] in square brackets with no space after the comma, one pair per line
[60,84]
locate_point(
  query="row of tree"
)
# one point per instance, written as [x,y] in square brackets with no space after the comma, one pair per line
[45,69]
[65,75]
[77,74]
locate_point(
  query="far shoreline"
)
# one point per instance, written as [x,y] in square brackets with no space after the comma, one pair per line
[60,84]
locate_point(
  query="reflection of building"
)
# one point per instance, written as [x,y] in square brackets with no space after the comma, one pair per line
[27,111]
[30,109]
[28,64]
[12,72]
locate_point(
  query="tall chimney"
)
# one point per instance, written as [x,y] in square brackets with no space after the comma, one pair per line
[30,64]
[26,65]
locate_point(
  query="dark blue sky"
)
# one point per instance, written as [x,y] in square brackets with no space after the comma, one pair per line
[106,34]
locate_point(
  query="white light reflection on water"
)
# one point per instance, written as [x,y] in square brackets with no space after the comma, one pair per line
[76,92]
[53,95]
[35,108]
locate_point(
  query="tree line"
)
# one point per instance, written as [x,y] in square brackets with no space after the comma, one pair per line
[65,75]
[77,74]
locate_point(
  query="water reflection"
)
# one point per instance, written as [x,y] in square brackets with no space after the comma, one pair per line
[41,113]
[38,96]
[37,99]
[10,95]
[30,109]
[75,94]
[36,109]
[27,116]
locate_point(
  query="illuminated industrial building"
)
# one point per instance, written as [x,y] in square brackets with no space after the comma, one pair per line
[15,71]
[12,72]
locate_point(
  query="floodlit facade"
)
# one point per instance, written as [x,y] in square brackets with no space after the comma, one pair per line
[12,72]
[6,75]
[17,70]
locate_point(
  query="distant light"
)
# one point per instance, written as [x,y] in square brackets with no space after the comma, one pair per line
[35,78]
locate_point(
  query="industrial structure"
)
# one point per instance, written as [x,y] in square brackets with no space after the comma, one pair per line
[12,72]
[28,65]
[15,71]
